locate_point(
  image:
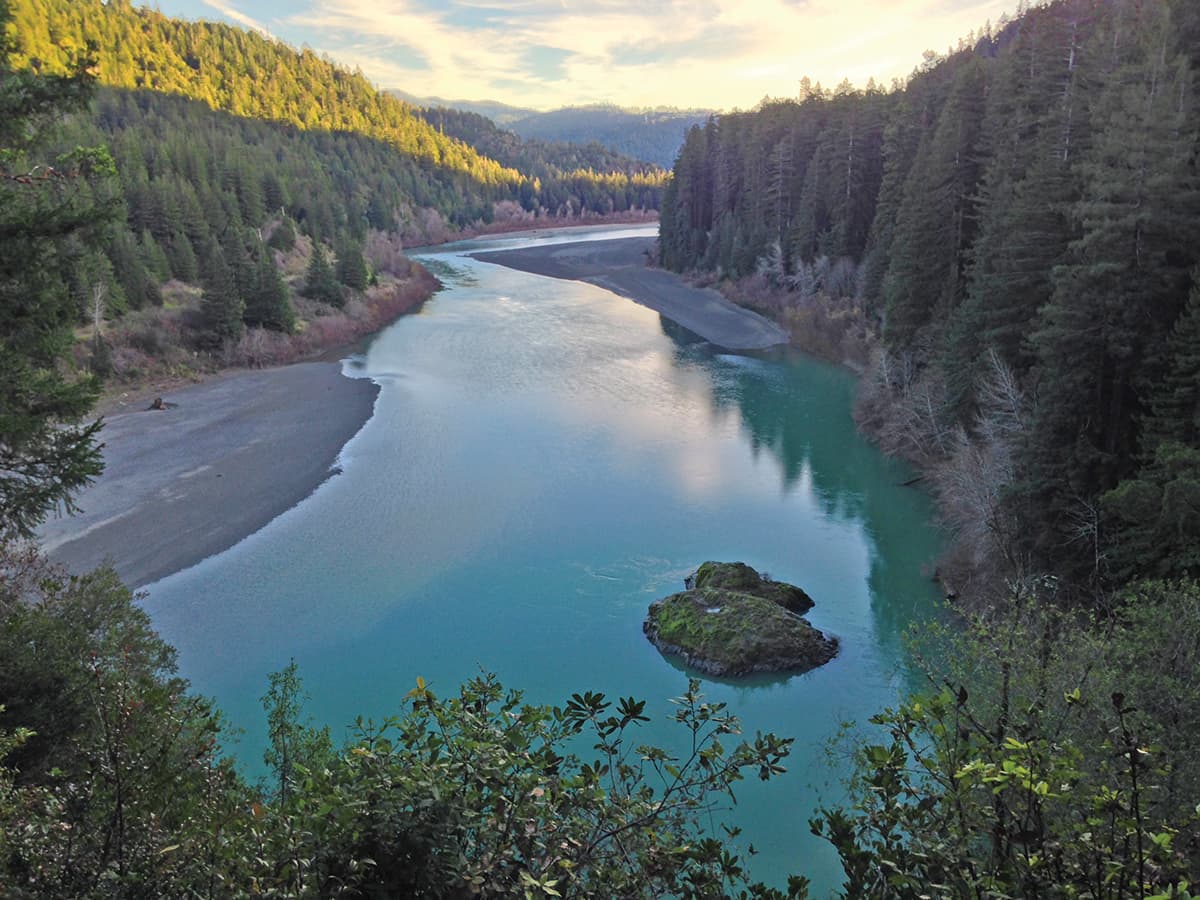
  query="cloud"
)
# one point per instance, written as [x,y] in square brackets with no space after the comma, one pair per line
[700,53]
[236,16]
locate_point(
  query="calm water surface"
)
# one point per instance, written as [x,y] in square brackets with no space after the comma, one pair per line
[544,460]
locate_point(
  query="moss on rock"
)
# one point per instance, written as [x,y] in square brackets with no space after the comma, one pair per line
[743,579]
[734,621]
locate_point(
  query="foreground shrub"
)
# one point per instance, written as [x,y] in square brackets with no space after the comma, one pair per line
[112,783]
[1056,760]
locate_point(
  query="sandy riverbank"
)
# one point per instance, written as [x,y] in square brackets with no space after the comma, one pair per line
[232,453]
[619,265]
[190,481]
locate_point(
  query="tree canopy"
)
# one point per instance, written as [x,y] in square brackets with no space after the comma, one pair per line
[53,212]
[1034,195]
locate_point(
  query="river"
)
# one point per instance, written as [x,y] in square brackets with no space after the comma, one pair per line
[545,459]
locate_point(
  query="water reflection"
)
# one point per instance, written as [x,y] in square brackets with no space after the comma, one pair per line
[545,459]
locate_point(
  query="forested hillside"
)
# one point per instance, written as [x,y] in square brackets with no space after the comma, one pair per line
[653,135]
[589,171]
[650,135]
[1008,245]
[237,71]
[1019,225]
[500,113]
[239,162]
[244,73]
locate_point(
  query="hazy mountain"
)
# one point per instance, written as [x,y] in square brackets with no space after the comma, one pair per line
[654,135]
[500,113]
[651,135]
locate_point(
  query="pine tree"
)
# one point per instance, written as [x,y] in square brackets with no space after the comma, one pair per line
[241,266]
[351,267]
[1104,335]
[139,287]
[1032,136]
[1155,516]
[1176,398]
[268,305]
[47,450]
[154,258]
[934,226]
[182,256]
[220,305]
[320,284]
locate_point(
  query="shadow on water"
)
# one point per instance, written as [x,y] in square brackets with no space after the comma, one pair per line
[756,681]
[683,337]
[793,408]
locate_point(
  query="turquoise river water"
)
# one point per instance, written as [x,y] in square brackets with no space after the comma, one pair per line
[544,460]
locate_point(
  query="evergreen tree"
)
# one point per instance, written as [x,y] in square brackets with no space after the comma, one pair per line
[900,137]
[241,266]
[268,305]
[1103,340]
[320,283]
[1155,515]
[934,226]
[154,258]
[351,267]
[1175,400]
[182,256]
[1033,134]
[47,208]
[220,305]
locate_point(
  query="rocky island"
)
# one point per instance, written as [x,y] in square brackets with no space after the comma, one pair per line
[731,620]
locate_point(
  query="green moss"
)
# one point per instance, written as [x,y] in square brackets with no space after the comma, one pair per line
[740,577]
[733,621]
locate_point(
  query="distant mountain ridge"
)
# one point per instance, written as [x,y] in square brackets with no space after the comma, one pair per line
[651,135]
[654,135]
[501,113]
[254,77]
[534,157]
[258,188]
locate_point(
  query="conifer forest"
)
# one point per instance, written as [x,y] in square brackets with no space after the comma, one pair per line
[1003,246]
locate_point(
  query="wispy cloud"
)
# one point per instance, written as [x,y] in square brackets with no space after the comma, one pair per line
[236,15]
[710,53]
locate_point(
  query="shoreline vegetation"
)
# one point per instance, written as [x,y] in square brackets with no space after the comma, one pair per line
[207,461]
[208,456]
[152,351]
[1017,220]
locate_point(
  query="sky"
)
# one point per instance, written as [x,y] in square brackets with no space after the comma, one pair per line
[708,54]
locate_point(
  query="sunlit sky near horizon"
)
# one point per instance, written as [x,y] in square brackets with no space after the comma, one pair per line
[712,54]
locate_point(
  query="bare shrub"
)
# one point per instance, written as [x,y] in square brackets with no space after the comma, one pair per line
[356,309]
[427,227]
[129,363]
[901,405]
[971,483]
[969,470]
[771,265]
[385,252]
[804,280]
[151,336]
[510,212]
[841,280]
[832,328]
[259,348]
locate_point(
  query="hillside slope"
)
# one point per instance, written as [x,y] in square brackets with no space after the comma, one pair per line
[1021,225]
